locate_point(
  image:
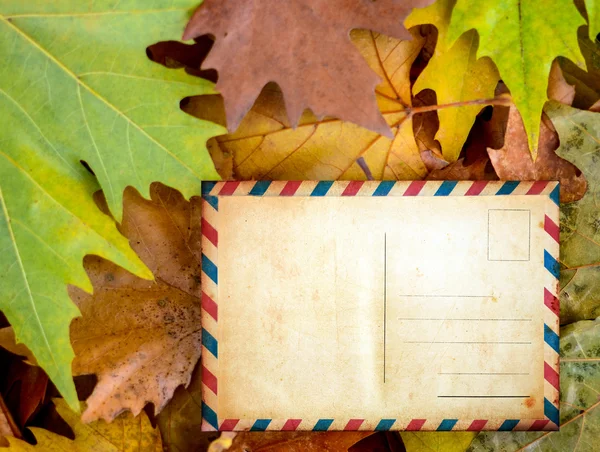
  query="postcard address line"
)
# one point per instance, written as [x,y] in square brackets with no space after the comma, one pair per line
[448,342]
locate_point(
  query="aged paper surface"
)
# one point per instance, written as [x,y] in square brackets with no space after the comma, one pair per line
[390,307]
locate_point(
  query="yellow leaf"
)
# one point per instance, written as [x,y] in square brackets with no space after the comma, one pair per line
[456,75]
[437,441]
[265,146]
[125,433]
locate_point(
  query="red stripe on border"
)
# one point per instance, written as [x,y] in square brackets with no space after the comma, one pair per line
[477,425]
[353,188]
[415,425]
[476,187]
[209,305]
[551,302]
[209,232]
[229,188]
[209,379]
[550,375]
[291,425]
[229,424]
[354,424]
[551,228]
[290,188]
[538,425]
[414,189]
[537,187]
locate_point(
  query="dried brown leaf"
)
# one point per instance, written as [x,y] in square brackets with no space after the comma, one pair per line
[513,161]
[27,384]
[141,338]
[304,48]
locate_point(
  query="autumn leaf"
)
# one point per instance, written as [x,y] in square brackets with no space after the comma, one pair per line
[8,427]
[181,417]
[593,12]
[141,338]
[437,441]
[75,85]
[586,84]
[513,161]
[124,434]
[26,386]
[456,75]
[304,48]
[579,388]
[521,38]
[297,441]
[265,146]
[579,133]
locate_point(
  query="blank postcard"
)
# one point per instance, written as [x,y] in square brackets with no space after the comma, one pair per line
[380,305]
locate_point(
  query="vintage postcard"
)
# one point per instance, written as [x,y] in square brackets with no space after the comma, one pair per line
[380,305]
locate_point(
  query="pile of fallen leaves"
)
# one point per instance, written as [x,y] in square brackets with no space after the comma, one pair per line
[312,89]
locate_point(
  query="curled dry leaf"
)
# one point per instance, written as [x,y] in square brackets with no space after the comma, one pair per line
[304,48]
[513,161]
[265,146]
[141,338]
[8,427]
[26,387]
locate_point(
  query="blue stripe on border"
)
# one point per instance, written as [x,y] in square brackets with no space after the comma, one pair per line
[384,188]
[508,425]
[551,264]
[212,200]
[210,416]
[260,425]
[551,338]
[210,343]
[210,269]
[206,187]
[555,196]
[260,188]
[322,425]
[551,412]
[507,188]
[322,188]
[384,425]
[446,188]
[447,425]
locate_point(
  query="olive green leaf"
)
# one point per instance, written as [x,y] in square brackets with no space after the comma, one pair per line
[579,133]
[76,85]
[522,38]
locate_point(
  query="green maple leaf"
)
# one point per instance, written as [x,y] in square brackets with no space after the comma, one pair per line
[579,133]
[593,11]
[75,84]
[522,38]
[579,404]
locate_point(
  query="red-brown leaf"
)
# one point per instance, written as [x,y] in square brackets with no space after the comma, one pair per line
[304,47]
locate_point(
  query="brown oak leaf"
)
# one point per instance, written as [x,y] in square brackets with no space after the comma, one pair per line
[513,161]
[304,47]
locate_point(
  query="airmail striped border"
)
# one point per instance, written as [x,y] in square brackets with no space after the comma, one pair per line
[212,191]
